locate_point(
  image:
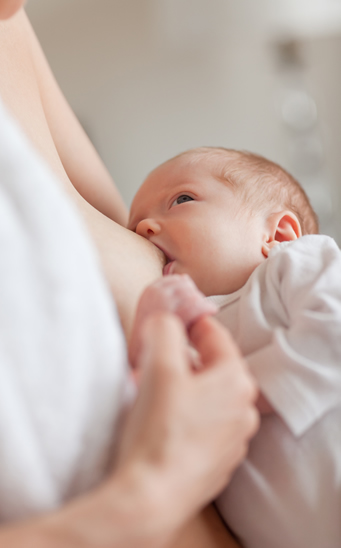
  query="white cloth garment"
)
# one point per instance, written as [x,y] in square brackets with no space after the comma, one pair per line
[63,372]
[287,322]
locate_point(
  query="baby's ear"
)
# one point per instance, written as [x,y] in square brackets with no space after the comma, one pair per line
[282,226]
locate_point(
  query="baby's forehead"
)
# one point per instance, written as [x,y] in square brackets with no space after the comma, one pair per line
[190,164]
[184,168]
[149,191]
[216,163]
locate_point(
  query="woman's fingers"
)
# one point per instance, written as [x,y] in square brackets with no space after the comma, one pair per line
[161,361]
[173,294]
[235,390]
[217,349]
[213,341]
[188,429]
[163,343]
[176,294]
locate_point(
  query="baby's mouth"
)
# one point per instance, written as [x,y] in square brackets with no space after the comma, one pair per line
[169,267]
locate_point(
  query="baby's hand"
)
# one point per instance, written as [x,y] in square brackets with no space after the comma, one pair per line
[176,294]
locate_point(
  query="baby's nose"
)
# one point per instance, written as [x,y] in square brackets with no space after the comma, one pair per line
[148,228]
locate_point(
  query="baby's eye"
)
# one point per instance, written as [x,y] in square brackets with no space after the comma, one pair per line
[182,199]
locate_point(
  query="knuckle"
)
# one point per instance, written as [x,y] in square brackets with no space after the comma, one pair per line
[153,292]
[250,389]
[161,322]
[189,301]
[251,422]
[247,386]
[180,291]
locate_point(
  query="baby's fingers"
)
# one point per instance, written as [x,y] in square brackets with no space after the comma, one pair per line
[193,308]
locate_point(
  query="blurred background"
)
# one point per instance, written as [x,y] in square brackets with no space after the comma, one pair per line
[151,78]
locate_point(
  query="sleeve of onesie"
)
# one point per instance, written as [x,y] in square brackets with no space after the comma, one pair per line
[299,372]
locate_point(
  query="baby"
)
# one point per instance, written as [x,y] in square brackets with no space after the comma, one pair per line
[243,229]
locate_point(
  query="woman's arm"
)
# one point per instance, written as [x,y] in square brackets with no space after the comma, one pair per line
[130,262]
[181,441]
[80,160]
[28,88]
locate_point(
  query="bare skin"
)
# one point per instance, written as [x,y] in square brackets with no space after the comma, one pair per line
[30,92]
[73,158]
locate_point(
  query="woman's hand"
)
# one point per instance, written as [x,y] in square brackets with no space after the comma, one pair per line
[182,440]
[187,431]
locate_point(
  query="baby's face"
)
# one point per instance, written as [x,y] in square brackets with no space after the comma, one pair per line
[199,223]
[10,7]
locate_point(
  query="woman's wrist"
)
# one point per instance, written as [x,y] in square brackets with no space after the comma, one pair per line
[126,511]
[129,510]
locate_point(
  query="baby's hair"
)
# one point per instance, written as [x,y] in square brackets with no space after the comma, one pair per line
[262,183]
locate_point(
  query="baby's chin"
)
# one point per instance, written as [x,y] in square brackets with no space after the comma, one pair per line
[210,286]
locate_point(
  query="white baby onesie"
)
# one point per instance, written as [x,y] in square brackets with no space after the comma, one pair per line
[287,322]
